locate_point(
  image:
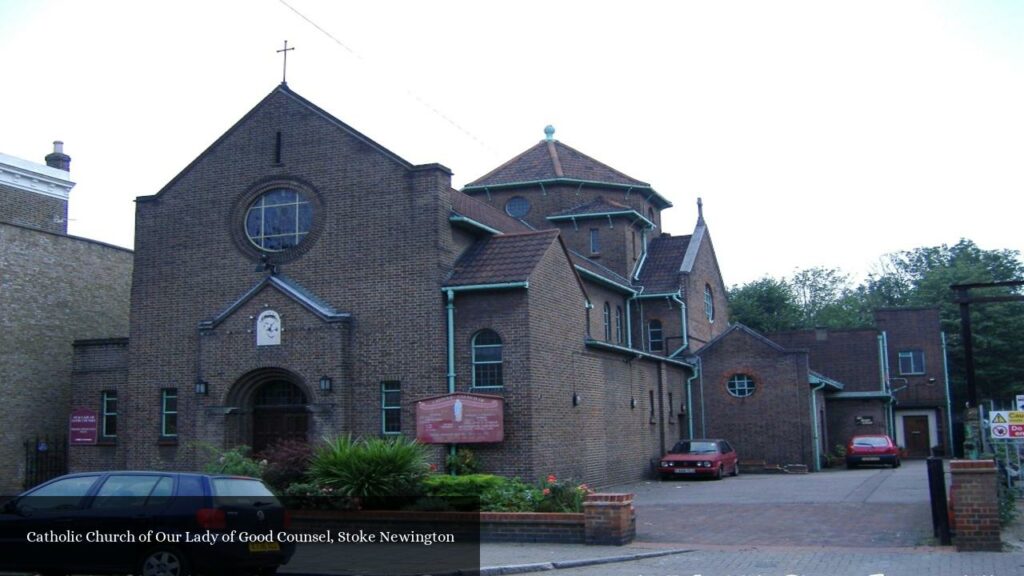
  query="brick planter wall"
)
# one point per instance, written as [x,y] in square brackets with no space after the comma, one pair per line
[975,505]
[607,519]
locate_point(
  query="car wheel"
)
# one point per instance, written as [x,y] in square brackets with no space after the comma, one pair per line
[164,562]
[718,473]
[896,463]
[736,469]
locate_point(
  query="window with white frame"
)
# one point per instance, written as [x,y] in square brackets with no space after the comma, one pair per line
[912,362]
[741,385]
[655,336]
[169,412]
[595,240]
[619,332]
[108,409]
[391,407]
[487,359]
[607,322]
[709,303]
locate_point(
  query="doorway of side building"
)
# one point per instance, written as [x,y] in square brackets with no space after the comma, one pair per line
[916,435]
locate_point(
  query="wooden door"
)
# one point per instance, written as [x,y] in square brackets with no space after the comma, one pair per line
[916,435]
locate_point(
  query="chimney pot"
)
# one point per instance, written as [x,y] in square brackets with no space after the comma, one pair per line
[58,159]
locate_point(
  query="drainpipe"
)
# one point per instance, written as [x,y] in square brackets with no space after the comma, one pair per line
[949,398]
[451,341]
[683,332]
[703,427]
[689,396]
[883,357]
[817,431]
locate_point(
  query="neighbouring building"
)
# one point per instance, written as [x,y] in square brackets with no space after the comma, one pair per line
[54,288]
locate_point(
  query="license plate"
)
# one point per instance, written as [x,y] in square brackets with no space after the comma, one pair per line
[684,470]
[264,547]
[871,459]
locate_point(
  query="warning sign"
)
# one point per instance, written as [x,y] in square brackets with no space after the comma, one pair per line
[1007,424]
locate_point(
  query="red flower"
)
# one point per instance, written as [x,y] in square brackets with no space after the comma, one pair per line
[552,479]
[547,491]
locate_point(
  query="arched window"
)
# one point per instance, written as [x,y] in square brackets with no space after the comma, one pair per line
[487,359]
[655,336]
[741,385]
[709,303]
[607,322]
[618,325]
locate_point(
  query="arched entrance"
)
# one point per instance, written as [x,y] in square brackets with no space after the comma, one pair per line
[273,407]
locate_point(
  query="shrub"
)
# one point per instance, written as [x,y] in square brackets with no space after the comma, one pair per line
[511,495]
[379,472]
[463,462]
[287,463]
[309,496]
[561,496]
[235,461]
[461,492]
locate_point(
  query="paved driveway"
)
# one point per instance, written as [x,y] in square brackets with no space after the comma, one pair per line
[862,508]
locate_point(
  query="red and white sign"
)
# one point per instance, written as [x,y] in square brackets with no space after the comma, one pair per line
[1007,424]
[84,427]
[460,419]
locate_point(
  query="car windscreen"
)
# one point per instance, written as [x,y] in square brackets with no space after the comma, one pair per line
[689,447]
[242,489]
[873,442]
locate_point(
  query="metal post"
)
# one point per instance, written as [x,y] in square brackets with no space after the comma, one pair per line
[940,506]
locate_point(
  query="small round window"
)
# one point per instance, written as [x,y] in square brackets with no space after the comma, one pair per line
[741,385]
[517,207]
[278,220]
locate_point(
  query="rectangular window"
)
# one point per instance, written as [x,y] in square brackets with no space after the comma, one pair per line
[108,408]
[391,407]
[595,241]
[169,412]
[912,362]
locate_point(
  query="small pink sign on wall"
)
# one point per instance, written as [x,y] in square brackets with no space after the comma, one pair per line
[460,419]
[84,427]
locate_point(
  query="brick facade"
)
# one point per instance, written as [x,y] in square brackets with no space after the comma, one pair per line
[55,289]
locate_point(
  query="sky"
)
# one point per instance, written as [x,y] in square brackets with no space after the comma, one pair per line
[816,133]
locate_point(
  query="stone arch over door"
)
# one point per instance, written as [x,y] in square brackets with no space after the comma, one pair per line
[270,404]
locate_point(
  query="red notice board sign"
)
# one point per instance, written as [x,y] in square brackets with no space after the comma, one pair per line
[84,426]
[460,419]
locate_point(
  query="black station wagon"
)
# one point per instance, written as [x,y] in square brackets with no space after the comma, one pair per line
[145,523]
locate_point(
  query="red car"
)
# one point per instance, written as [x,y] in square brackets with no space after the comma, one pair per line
[706,457]
[872,449]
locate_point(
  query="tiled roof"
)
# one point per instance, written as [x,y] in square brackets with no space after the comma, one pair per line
[482,212]
[599,206]
[660,271]
[599,270]
[501,259]
[552,160]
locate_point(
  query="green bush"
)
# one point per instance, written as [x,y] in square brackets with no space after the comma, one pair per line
[561,496]
[511,495]
[235,461]
[443,485]
[309,496]
[380,472]
[463,462]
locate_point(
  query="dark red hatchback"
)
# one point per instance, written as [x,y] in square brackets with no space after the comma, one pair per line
[708,458]
[872,449]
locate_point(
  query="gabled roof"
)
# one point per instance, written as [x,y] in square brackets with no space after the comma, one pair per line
[289,288]
[467,209]
[550,161]
[737,327]
[501,259]
[283,90]
[603,274]
[661,267]
[601,207]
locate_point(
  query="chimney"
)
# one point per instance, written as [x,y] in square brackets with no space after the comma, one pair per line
[58,159]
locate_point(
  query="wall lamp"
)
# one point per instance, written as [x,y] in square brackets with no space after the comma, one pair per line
[326,384]
[202,387]
[575,399]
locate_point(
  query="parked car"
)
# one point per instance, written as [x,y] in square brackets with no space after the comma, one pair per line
[872,449]
[712,458]
[144,523]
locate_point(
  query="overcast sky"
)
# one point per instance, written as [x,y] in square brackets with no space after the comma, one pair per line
[817,133]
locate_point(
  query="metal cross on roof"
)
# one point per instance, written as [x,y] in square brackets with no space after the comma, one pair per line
[284,72]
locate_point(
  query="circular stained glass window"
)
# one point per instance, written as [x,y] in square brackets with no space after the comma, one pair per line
[741,385]
[278,220]
[517,207]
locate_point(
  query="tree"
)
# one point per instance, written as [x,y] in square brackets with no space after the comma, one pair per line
[827,299]
[766,305]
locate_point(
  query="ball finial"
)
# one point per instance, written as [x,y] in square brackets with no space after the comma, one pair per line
[549,132]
